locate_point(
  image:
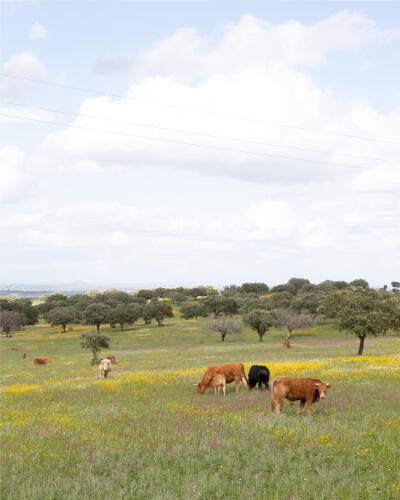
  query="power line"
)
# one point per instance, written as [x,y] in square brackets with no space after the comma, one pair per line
[196,110]
[206,146]
[214,136]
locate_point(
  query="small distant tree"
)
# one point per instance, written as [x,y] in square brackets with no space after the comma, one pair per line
[261,321]
[118,316]
[10,320]
[395,285]
[341,285]
[293,320]
[224,325]
[193,310]
[114,298]
[282,300]
[146,294]
[195,292]
[96,314]
[359,283]
[124,314]
[251,304]
[298,283]
[219,305]
[256,288]
[286,287]
[157,310]
[61,316]
[308,302]
[95,342]
[177,297]
[54,300]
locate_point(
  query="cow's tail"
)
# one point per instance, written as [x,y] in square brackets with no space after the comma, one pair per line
[273,395]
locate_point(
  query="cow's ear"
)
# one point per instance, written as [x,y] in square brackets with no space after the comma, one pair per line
[328,386]
[317,386]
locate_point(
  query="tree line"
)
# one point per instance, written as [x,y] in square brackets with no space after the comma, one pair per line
[353,306]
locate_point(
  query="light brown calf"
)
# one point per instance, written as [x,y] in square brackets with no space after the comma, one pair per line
[219,381]
[305,390]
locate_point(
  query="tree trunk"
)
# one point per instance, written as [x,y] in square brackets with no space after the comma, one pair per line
[223,337]
[98,326]
[94,359]
[63,327]
[361,346]
[122,327]
[7,330]
[260,336]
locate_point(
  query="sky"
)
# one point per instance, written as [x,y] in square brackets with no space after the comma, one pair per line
[213,143]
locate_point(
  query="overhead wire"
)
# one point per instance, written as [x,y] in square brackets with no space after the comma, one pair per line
[197,110]
[190,132]
[186,143]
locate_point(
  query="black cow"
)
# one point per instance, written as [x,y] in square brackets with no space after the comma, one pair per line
[258,374]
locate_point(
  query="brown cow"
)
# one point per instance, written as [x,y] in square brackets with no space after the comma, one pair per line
[232,372]
[24,355]
[41,361]
[305,390]
[286,343]
[112,359]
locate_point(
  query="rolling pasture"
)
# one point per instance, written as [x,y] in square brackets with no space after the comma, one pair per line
[146,434]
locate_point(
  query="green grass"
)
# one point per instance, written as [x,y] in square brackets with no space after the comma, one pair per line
[145,433]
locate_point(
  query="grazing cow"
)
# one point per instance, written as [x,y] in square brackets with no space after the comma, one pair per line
[305,390]
[286,343]
[40,361]
[258,374]
[24,355]
[219,381]
[104,368]
[232,372]
[112,359]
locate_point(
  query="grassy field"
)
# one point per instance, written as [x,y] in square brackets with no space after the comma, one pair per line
[145,433]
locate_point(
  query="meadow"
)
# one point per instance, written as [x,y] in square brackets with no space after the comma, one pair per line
[145,433]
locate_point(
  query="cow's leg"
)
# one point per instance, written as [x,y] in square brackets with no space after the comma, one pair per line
[224,388]
[244,380]
[279,405]
[237,382]
[302,403]
[309,403]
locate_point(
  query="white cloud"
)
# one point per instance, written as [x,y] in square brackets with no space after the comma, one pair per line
[13,177]
[256,42]
[38,31]
[266,96]
[24,65]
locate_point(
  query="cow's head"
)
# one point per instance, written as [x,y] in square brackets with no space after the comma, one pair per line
[322,388]
[201,388]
